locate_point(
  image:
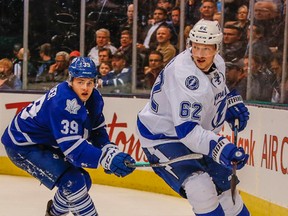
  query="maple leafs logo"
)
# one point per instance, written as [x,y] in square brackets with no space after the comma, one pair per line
[72,106]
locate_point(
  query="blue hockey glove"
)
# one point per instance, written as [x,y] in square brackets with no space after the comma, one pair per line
[236,110]
[227,154]
[113,161]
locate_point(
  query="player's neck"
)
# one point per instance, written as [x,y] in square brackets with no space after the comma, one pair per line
[210,69]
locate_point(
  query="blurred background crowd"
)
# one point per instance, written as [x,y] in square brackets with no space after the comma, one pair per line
[129,55]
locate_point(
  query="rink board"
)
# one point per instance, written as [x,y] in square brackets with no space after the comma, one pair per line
[263,181]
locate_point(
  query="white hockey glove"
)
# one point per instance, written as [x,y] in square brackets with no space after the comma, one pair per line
[114,160]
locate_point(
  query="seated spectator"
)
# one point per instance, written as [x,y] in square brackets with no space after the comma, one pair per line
[148,38]
[7,79]
[243,19]
[18,67]
[233,46]
[208,9]
[102,41]
[128,24]
[267,14]
[164,46]
[276,68]
[126,46]
[192,12]
[152,71]
[259,45]
[104,68]
[16,48]
[175,26]
[45,53]
[262,79]
[126,50]
[236,78]
[73,55]
[58,72]
[104,54]
[168,5]
[119,79]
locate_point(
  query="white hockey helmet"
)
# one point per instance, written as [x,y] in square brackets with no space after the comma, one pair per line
[206,32]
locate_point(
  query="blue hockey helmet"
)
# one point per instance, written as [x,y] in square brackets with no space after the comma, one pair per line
[82,67]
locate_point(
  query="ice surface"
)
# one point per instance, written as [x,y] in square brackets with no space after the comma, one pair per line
[23,196]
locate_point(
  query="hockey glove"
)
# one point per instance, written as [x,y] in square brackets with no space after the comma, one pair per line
[113,161]
[236,110]
[227,154]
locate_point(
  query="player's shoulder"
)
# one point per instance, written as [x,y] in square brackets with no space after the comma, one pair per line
[96,95]
[181,65]
[219,62]
[95,102]
[61,96]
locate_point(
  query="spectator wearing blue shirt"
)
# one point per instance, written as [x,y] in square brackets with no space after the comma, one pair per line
[119,79]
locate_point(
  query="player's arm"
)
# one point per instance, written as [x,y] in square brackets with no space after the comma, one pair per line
[187,115]
[81,153]
[220,149]
[99,136]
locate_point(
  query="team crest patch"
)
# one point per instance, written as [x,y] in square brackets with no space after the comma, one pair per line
[72,106]
[192,82]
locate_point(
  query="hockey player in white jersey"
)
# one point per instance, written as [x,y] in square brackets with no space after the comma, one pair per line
[61,133]
[188,105]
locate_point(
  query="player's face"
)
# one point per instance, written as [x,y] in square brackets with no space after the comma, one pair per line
[203,55]
[83,87]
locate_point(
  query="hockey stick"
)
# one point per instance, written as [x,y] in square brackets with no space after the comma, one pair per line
[234,177]
[161,164]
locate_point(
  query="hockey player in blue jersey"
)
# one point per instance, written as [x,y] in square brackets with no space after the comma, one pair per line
[61,133]
[188,105]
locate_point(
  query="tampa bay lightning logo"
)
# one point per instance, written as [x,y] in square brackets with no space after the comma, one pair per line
[192,82]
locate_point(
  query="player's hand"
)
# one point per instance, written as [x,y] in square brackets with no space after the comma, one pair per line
[227,154]
[236,110]
[113,161]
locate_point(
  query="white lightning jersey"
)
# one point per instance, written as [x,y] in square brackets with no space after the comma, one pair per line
[185,105]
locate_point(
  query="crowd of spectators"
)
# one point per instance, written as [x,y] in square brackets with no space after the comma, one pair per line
[258,53]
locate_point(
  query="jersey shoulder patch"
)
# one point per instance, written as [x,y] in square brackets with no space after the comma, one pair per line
[192,82]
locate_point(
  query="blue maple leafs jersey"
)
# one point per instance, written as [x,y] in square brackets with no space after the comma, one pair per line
[60,119]
[186,105]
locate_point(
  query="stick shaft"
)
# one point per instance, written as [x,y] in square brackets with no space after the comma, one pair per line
[234,177]
[161,164]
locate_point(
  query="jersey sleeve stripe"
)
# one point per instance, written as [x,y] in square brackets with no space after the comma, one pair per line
[99,126]
[185,128]
[14,140]
[20,131]
[148,135]
[73,147]
[68,138]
